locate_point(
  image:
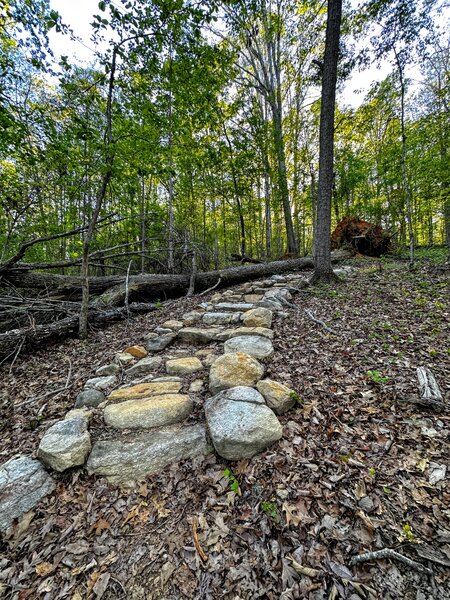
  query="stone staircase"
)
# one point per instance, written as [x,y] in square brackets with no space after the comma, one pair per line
[168,400]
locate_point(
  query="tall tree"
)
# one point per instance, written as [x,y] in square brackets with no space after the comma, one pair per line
[323,271]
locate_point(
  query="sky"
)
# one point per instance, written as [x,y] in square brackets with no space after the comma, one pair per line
[78,15]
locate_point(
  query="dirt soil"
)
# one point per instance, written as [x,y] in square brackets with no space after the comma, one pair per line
[359,468]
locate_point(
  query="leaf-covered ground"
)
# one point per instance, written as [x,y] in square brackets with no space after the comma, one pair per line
[359,468]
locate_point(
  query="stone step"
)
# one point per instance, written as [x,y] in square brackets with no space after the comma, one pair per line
[225,335]
[144,390]
[254,345]
[233,306]
[133,459]
[148,413]
[240,424]
[221,318]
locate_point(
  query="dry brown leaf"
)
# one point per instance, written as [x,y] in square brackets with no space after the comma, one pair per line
[289,510]
[44,569]
[360,489]
[100,526]
[301,570]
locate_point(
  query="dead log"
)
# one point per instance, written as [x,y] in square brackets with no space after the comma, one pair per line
[37,334]
[146,286]
[364,237]
[157,286]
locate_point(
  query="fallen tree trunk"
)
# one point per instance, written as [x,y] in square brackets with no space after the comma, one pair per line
[10,341]
[112,289]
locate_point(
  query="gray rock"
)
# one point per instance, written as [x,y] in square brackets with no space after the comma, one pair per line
[163,330]
[147,453]
[231,370]
[111,369]
[193,335]
[254,345]
[145,365]
[89,397]
[160,343]
[23,484]
[66,444]
[242,393]
[240,429]
[101,383]
[220,318]
[233,306]
[155,411]
[123,358]
[226,334]
[270,303]
[278,278]
[192,317]
[278,293]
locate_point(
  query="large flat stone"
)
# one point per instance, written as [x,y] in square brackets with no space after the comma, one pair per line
[254,345]
[145,366]
[23,484]
[66,444]
[240,430]
[144,390]
[147,413]
[233,306]
[147,453]
[258,317]
[226,334]
[194,335]
[184,366]
[220,318]
[231,370]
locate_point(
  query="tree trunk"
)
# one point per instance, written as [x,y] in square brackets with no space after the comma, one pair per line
[406,187]
[84,311]
[282,177]
[322,258]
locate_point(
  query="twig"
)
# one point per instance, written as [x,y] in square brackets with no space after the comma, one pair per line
[309,314]
[200,550]
[389,553]
[211,288]
[16,355]
[127,290]
[193,276]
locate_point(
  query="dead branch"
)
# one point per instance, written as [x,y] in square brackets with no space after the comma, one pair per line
[211,288]
[389,553]
[24,247]
[309,314]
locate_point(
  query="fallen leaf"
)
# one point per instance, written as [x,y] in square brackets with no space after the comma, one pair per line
[44,569]
[301,570]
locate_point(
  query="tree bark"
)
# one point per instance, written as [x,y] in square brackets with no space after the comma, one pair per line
[84,312]
[322,261]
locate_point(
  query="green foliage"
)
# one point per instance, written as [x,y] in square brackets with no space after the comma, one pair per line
[294,396]
[376,377]
[232,482]
[271,510]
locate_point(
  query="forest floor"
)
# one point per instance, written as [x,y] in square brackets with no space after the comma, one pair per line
[359,467]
